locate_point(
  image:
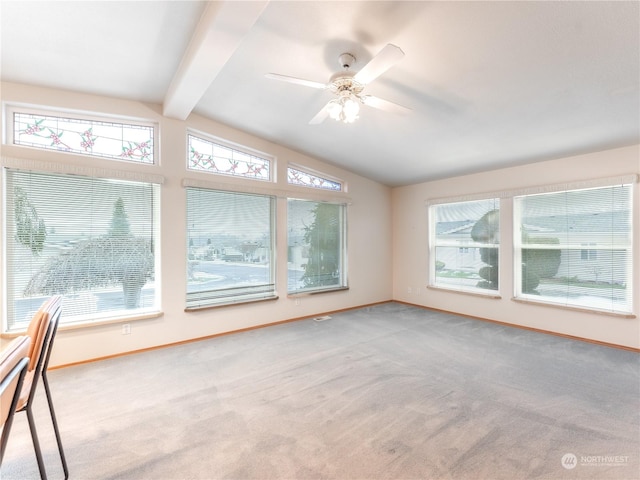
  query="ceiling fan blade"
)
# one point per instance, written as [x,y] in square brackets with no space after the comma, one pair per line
[297,81]
[383,61]
[382,104]
[320,116]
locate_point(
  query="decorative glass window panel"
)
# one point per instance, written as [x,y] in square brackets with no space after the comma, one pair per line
[91,240]
[306,179]
[230,247]
[316,246]
[465,246]
[575,248]
[120,141]
[211,157]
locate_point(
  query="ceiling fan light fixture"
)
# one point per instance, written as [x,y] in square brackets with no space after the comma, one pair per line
[350,109]
[335,109]
[344,109]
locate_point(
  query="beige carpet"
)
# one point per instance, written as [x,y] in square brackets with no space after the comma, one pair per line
[387,392]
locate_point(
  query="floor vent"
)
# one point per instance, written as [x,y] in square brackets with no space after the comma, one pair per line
[322,319]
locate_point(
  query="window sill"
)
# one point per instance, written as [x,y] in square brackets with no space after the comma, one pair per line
[493,296]
[575,309]
[316,292]
[88,323]
[230,304]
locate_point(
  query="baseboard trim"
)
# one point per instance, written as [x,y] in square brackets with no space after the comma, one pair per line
[207,337]
[524,327]
[333,312]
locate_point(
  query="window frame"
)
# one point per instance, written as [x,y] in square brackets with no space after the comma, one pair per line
[242,149]
[209,299]
[580,249]
[99,317]
[462,248]
[343,283]
[315,174]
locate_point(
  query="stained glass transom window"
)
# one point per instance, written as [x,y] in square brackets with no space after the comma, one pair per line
[211,157]
[87,137]
[306,179]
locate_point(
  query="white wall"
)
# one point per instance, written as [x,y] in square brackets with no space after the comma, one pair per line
[369,233]
[382,264]
[410,246]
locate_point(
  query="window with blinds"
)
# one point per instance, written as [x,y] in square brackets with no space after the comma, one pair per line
[88,239]
[316,246]
[230,257]
[465,246]
[575,248]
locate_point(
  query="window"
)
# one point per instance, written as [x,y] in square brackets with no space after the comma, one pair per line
[586,253]
[316,246]
[575,248]
[89,239]
[123,141]
[230,247]
[296,176]
[221,159]
[465,242]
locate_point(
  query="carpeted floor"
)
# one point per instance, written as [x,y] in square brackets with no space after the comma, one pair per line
[386,392]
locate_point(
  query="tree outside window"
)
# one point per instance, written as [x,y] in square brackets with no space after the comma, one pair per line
[316,245]
[89,239]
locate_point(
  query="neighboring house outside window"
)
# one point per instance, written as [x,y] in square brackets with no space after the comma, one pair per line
[465,246]
[575,248]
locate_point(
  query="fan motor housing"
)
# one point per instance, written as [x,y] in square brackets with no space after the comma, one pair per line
[343,83]
[346,60]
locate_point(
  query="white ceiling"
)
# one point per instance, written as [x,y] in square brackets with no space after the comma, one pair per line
[490,84]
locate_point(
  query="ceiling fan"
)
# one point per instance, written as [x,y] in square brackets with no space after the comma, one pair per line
[348,86]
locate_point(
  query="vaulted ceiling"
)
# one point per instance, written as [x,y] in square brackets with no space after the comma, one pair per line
[489,84]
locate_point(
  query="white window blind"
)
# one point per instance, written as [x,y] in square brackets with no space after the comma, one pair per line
[316,246]
[230,247]
[465,245]
[575,248]
[89,239]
